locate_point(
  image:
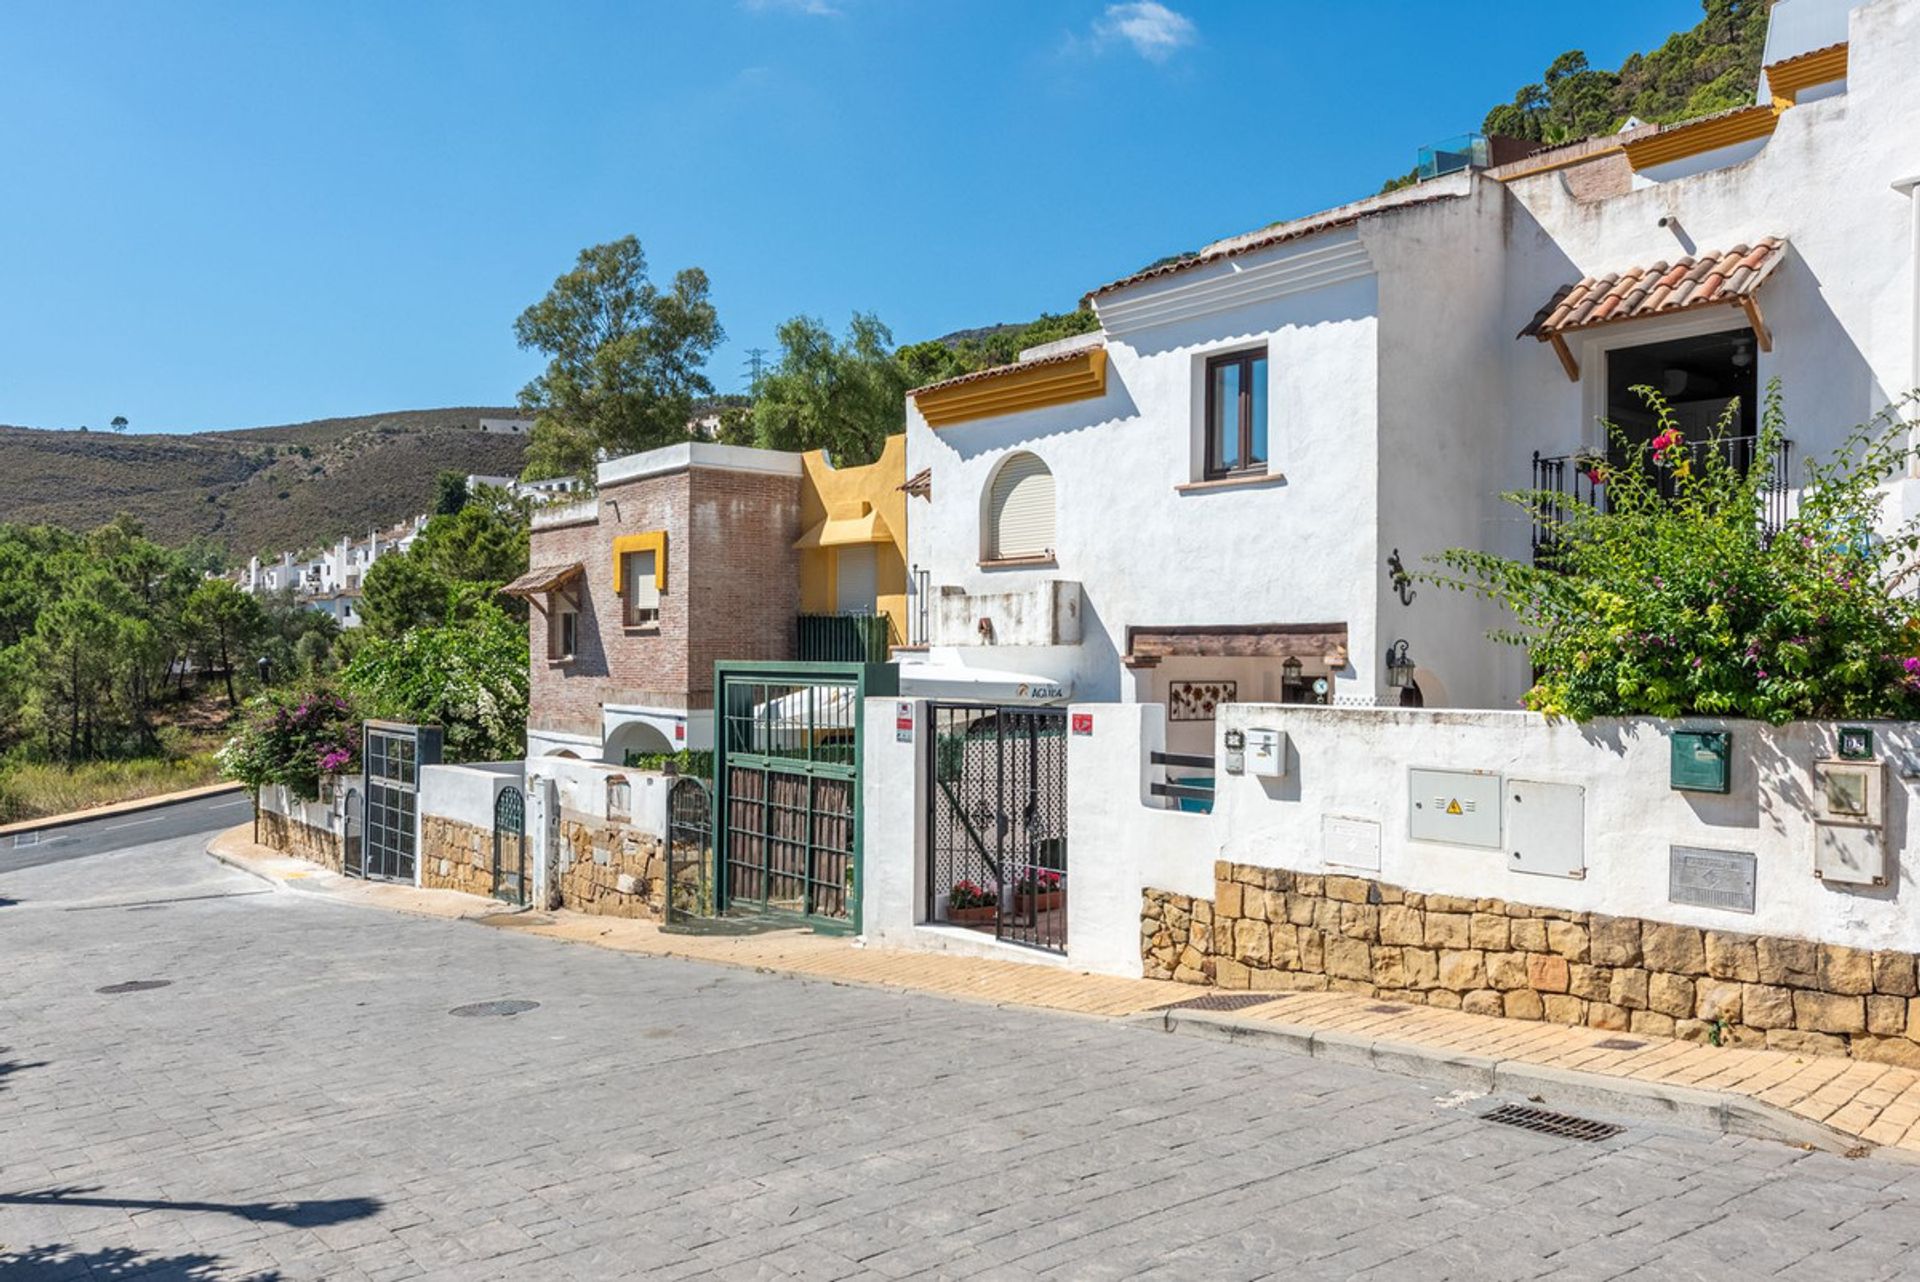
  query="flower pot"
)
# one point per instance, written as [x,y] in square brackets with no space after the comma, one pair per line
[972,916]
[1045,902]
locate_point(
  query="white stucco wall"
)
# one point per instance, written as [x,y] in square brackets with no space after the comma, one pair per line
[468,793]
[581,789]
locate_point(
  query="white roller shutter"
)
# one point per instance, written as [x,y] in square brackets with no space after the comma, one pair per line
[1020,510]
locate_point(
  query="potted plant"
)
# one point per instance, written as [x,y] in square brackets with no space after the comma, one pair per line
[970,903]
[1039,890]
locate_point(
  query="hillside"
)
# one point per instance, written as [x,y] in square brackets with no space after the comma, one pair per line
[262,489]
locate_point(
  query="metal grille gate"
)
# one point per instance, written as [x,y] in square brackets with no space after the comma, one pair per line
[510,847]
[393,754]
[689,852]
[787,770]
[997,821]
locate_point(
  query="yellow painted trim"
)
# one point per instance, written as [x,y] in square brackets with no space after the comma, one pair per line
[654,541]
[1702,136]
[1790,77]
[1017,388]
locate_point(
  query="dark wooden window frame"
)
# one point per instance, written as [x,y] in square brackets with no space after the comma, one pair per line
[1245,358]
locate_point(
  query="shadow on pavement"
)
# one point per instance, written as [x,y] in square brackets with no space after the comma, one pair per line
[305,1215]
[62,1262]
[8,1067]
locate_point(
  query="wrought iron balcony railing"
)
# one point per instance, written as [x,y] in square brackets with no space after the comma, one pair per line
[1572,476]
[844,638]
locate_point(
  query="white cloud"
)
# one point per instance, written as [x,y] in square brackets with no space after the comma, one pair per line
[811,8]
[1154,31]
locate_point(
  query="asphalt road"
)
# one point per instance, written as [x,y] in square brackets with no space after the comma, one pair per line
[119,832]
[204,1077]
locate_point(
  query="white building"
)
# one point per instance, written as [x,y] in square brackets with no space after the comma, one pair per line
[330,580]
[1212,489]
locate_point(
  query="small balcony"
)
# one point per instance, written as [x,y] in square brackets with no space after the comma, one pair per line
[1572,477]
[844,638]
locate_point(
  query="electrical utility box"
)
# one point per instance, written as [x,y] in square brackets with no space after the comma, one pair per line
[1458,807]
[1850,822]
[1267,753]
[1700,761]
[1547,828]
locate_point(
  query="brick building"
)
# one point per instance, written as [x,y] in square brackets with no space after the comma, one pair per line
[685,556]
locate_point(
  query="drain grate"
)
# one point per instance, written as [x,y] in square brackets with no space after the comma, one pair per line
[1619,1044]
[512,1006]
[1544,1122]
[135,986]
[1386,1008]
[1223,1001]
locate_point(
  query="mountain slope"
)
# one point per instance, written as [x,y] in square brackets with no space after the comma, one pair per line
[263,489]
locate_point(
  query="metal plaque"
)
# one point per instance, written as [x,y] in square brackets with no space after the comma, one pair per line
[1350,843]
[1710,878]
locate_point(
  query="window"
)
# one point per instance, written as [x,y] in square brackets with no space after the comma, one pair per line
[619,797]
[1237,414]
[640,589]
[1020,510]
[563,629]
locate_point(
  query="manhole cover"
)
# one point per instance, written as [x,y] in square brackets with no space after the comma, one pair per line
[135,986]
[1619,1044]
[1385,1009]
[1223,1001]
[1563,1125]
[513,1006]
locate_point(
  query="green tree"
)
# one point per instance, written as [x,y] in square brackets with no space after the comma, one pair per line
[119,423]
[449,493]
[470,678]
[227,624]
[399,593]
[844,397]
[625,359]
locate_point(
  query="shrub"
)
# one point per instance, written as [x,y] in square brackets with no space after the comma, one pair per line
[292,740]
[1672,599]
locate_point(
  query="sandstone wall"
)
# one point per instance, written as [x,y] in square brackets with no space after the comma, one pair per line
[611,869]
[292,837]
[1269,928]
[458,856]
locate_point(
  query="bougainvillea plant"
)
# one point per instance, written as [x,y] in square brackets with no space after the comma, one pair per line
[293,739]
[1667,594]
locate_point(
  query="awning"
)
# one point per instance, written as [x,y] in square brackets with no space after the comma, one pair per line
[988,685]
[1146,646]
[846,531]
[1728,279]
[543,579]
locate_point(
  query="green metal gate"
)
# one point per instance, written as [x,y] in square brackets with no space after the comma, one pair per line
[510,847]
[787,775]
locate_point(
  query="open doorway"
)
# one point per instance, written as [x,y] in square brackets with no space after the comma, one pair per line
[1698,376]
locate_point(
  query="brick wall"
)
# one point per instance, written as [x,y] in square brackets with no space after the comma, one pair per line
[732,592]
[1268,928]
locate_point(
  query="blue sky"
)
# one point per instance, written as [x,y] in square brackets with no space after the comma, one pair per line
[239,214]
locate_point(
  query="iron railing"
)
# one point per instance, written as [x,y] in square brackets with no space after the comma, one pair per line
[844,638]
[1573,477]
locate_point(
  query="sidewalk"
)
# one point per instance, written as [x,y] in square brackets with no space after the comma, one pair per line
[1819,1101]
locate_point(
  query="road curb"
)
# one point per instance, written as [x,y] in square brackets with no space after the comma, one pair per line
[232,860]
[133,807]
[1727,1112]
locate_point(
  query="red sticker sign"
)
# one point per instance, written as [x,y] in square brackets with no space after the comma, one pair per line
[1083,723]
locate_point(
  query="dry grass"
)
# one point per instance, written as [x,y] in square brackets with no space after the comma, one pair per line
[32,791]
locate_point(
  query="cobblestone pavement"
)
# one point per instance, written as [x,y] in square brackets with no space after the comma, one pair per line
[299,1103]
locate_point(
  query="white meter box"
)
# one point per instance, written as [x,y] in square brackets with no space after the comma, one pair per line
[1458,807]
[1267,753]
[1849,822]
[1547,828]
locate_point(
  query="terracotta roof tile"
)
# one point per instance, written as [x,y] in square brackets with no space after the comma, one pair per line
[994,371]
[1660,289]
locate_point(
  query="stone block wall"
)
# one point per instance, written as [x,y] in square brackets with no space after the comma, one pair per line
[1271,929]
[611,869]
[291,836]
[457,856]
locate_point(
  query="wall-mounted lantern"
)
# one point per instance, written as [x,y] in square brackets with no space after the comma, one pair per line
[1399,666]
[1290,669]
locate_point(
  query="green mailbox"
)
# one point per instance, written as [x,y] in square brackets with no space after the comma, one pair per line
[1699,761]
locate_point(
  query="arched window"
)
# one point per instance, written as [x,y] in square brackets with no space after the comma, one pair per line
[1019,517]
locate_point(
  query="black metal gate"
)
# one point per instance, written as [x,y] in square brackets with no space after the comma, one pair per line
[689,890]
[393,753]
[997,822]
[510,847]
